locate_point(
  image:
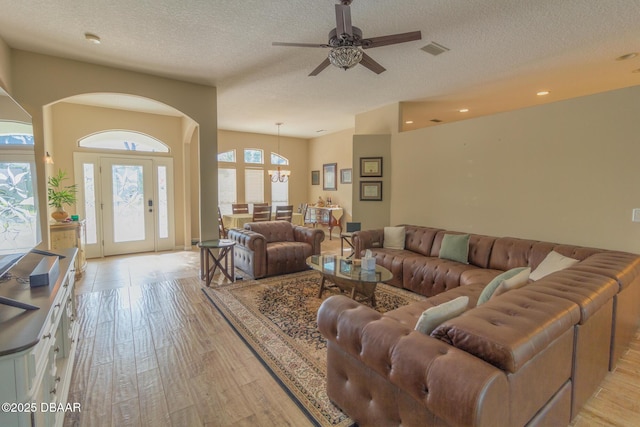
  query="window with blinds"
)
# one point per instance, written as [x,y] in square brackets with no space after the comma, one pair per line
[227,194]
[254,185]
[279,194]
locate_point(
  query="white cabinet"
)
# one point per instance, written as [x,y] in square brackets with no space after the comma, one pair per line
[37,348]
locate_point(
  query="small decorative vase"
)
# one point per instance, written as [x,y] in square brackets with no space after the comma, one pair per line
[60,214]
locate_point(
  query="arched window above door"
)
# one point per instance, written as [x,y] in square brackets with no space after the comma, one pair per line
[123,140]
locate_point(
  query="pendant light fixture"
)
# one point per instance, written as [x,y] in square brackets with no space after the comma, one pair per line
[279,175]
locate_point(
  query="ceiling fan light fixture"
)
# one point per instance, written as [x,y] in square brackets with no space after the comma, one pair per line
[345,57]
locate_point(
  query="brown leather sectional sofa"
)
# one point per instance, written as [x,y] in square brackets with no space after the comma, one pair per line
[532,356]
[270,248]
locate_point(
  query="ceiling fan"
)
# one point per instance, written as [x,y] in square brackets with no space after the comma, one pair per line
[346,43]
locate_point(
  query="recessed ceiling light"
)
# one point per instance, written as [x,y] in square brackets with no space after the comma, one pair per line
[464,110]
[92,38]
[408,122]
[627,56]
[543,93]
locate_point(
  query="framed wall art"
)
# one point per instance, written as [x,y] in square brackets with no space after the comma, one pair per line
[345,176]
[371,166]
[371,190]
[329,181]
[315,177]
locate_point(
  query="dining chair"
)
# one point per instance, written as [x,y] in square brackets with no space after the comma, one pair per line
[240,208]
[261,213]
[221,230]
[284,213]
[260,204]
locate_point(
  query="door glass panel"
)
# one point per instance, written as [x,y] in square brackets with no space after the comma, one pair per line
[128,203]
[90,203]
[163,207]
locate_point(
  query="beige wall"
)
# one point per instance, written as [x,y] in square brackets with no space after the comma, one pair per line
[70,122]
[333,148]
[372,213]
[5,66]
[40,80]
[383,120]
[294,149]
[563,172]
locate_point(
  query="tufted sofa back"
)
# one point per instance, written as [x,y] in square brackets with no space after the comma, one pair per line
[273,231]
[511,252]
[479,247]
[419,239]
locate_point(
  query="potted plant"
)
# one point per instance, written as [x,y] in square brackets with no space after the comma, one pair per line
[60,195]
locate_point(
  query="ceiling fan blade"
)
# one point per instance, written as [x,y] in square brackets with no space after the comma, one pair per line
[391,39]
[299,44]
[343,19]
[368,62]
[320,67]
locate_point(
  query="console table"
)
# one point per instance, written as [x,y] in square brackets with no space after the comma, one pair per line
[37,347]
[71,234]
[324,216]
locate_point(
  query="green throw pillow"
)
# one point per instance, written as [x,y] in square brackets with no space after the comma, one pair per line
[493,285]
[433,317]
[455,247]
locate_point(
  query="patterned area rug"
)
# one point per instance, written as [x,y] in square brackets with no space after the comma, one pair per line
[276,317]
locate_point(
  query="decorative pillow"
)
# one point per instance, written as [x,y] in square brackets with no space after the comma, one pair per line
[553,262]
[491,287]
[394,237]
[515,282]
[455,247]
[432,317]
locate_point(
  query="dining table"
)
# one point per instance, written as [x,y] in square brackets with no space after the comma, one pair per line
[232,221]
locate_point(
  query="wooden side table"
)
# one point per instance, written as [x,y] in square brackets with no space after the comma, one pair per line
[225,251]
[347,237]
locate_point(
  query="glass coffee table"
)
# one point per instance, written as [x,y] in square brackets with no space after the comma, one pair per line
[347,276]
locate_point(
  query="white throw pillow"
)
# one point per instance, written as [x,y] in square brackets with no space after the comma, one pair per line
[433,317]
[553,262]
[515,282]
[394,237]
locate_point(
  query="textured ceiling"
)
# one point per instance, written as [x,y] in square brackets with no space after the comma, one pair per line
[501,53]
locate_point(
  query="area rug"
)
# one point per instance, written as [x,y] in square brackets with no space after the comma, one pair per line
[276,318]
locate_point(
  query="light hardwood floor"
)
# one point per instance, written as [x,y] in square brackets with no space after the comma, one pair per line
[159,354]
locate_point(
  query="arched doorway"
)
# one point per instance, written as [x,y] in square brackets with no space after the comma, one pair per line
[123,164]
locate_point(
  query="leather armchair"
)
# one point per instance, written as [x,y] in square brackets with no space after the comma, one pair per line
[271,248]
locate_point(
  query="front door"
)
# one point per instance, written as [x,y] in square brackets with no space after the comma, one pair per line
[128,205]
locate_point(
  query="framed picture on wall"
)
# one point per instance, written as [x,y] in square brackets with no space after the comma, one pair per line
[329,181]
[371,190]
[315,177]
[371,166]
[345,176]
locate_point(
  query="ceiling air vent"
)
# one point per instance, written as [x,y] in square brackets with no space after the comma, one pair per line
[436,120]
[435,48]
